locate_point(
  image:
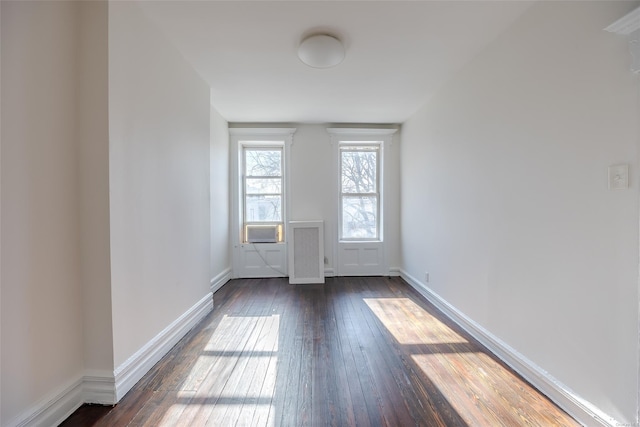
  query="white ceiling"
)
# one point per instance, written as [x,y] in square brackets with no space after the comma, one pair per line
[398,53]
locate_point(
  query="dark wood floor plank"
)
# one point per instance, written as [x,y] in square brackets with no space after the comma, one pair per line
[244,386]
[235,390]
[86,415]
[220,339]
[257,403]
[307,356]
[285,400]
[224,351]
[352,352]
[285,369]
[378,374]
[363,400]
[325,409]
[127,409]
[399,392]
[349,395]
[421,395]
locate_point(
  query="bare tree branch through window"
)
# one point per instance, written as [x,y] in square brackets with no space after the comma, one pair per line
[359,192]
[263,185]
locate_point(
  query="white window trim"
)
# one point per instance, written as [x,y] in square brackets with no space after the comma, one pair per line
[379,180]
[360,135]
[383,137]
[243,193]
[256,137]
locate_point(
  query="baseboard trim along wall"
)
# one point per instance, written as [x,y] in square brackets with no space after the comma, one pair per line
[394,271]
[330,272]
[106,388]
[53,409]
[583,411]
[221,279]
[134,368]
[99,387]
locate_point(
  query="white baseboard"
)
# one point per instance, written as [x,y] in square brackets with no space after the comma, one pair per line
[583,411]
[134,368]
[394,271]
[330,272]
[106,388]
[220,279]
[53,409]
[99,388]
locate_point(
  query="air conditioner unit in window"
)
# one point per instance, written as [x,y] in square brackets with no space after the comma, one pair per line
[259,233]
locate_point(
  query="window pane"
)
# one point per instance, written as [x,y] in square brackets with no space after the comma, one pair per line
[359,171]
[263,209]
[263,162]
[263,185]
[359,217]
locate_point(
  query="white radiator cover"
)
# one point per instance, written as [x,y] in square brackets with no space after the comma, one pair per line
[306,252]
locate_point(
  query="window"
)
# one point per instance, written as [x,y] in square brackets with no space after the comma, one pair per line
[263,194]
[260,200]
[361,200]
[360,191]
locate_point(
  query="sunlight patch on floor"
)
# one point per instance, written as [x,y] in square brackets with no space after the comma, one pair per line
[446,373]
[242,352]
[411,324]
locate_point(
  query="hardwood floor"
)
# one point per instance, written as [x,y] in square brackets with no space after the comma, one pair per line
[355,351]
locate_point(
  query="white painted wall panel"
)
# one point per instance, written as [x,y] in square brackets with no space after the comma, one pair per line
[505,199]
[42,312]
[220,197]
[312,181]
[159,121]
[93,133]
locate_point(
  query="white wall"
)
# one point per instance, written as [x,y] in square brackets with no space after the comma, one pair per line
[0,222]
[220,264]
[312,184]
[505,199]
[311,181]
[95,100]
[159,178]
[93,157]
[42,316]
[393,199]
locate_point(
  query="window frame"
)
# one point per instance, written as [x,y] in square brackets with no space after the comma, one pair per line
[244,193]
[360,146]
[281,138]
[383,136]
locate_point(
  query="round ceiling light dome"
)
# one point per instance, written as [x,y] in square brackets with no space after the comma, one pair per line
[321,51]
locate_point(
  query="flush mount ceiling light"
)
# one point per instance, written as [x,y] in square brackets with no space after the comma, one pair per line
[321,51]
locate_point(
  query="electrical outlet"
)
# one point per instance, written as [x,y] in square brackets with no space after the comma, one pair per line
[326,261]
[619,177]
[426,277]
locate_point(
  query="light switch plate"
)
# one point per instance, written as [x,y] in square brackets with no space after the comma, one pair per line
[618,177]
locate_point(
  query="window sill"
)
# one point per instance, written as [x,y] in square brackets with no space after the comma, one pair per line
[262,243]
